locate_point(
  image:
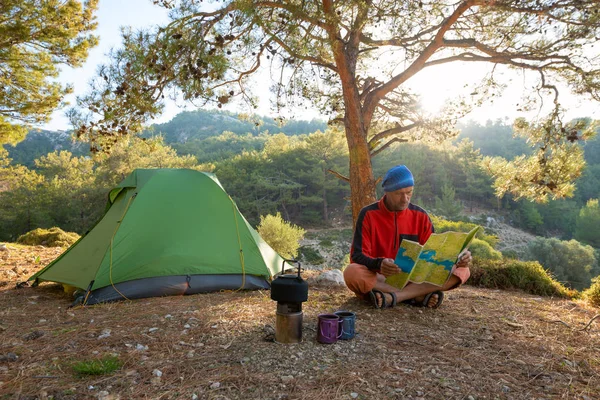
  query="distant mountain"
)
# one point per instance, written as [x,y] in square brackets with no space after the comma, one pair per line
[184,128]
[494,139]
[41,142]
[200,124]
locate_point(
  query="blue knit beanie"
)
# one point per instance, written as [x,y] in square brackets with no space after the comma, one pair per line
[398,177]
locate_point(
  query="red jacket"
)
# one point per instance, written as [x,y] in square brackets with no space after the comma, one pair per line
[379,231]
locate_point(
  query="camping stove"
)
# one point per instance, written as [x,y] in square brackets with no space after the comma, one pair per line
[290,291]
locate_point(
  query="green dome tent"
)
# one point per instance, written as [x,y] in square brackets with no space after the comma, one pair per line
[165,232]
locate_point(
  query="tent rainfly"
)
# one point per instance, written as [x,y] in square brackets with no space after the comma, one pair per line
[165,232]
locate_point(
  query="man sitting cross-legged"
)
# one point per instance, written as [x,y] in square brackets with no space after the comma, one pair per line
[379,230]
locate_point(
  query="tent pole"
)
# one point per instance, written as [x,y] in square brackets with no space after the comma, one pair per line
[87,294]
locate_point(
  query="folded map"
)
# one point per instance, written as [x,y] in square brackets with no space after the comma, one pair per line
[432,262]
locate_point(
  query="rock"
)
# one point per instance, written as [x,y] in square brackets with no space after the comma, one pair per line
[103,395]
[141,347]
[157,373]
[8,357]
[268,329]
[287,378]
[3,247]
[215,385]
[569,363]
[104,334]
[33,335]
[332,277]
[9,273]
[354,395]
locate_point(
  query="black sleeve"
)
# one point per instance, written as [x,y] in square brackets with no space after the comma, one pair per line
[362,242]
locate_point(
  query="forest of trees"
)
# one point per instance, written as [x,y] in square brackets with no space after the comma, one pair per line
[47,180]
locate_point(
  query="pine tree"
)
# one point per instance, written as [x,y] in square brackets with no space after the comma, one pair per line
[36,37]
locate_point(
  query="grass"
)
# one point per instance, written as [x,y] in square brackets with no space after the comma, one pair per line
[311,255]
[326,243]
[63,331]
[102,366]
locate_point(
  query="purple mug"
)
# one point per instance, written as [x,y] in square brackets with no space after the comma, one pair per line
[328,329]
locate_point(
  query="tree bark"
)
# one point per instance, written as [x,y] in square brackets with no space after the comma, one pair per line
[345,54]
[362,182]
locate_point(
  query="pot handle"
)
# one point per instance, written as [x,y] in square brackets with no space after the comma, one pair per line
[290,261]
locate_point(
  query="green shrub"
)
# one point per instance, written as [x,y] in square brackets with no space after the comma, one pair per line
[484,250]
[592,294]
[346,261]
[570,261]
[53,237]
[326,243]
[101,366]
[311,235]
[311,255]
[528,276]
[510,254]
[442,225]
[284,237]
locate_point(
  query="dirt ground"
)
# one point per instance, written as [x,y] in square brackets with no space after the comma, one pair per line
[481,344]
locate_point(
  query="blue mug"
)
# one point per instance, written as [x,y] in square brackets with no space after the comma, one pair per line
[348,319]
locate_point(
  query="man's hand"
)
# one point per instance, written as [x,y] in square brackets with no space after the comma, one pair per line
[464,260]
[388,267]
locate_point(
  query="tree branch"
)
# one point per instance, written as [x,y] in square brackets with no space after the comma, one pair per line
[292,10]
[314,60]
[388,144]
[399,42]
[374,97]
[392,131]
[338,175]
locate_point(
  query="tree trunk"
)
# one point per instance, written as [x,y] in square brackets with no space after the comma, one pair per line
[345,54]
[325,211]
[362,182]
[286,214]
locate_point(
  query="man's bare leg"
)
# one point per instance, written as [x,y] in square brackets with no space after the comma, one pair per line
[412,290]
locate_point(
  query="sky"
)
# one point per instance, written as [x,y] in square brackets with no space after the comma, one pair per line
[434,85]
